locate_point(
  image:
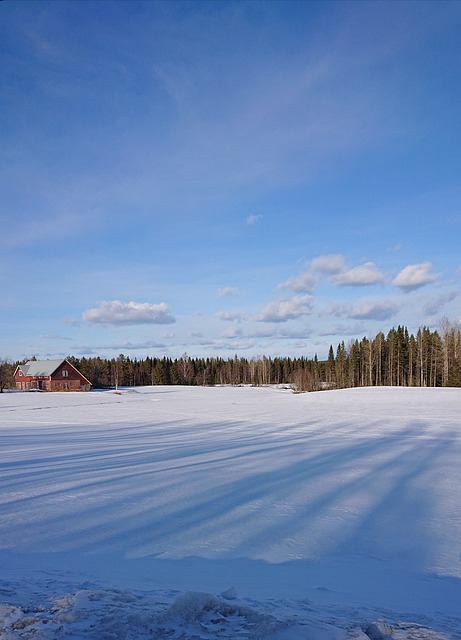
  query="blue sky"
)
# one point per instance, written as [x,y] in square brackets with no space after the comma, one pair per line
[221,178]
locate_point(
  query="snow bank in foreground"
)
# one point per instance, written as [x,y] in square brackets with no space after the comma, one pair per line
[97,614]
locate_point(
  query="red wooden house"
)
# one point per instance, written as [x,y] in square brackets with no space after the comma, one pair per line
[50,375]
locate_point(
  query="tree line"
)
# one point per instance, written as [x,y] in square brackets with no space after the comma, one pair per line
[429,358]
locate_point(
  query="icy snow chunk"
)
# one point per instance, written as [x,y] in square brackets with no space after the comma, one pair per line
[379,630]
[229,594]
[208,614]
[191,606]
[8,612]
[357,634]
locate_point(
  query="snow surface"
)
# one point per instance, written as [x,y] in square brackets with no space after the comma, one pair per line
[190,512]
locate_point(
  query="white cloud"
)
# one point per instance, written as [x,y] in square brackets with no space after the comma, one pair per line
[228,292]
[364,275]
[335,265]
[284,310]
[414,276]
[115,312]
[254,218]
[232,332]
[373,310]
[303,282]
[330,263]
[231,316]
[233,346]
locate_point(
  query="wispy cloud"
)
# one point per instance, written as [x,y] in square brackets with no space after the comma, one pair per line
[366,310]
[71,321]
[115,312]
[284,310]
[254,218]
[54,336]
[415,276]
[119,347]
[342,330]
[49,228]
[436,305]
[228,292]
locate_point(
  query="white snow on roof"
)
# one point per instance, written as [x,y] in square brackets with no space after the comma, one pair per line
[40,367]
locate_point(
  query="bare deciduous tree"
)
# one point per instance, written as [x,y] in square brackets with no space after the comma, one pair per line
[6,374]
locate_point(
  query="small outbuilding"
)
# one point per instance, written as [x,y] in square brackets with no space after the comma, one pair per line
[50,375]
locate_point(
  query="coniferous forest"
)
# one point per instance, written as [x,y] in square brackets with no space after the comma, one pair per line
[429,358]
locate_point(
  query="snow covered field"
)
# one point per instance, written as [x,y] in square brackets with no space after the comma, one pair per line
[177,512]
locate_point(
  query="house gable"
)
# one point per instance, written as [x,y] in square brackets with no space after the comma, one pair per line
[67,378]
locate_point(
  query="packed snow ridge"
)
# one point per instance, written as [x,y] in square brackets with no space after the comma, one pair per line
[200,513]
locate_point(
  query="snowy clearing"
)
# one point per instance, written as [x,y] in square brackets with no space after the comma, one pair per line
[190,512]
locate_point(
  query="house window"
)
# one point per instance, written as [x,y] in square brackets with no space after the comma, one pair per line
[65,373]
[20,372]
